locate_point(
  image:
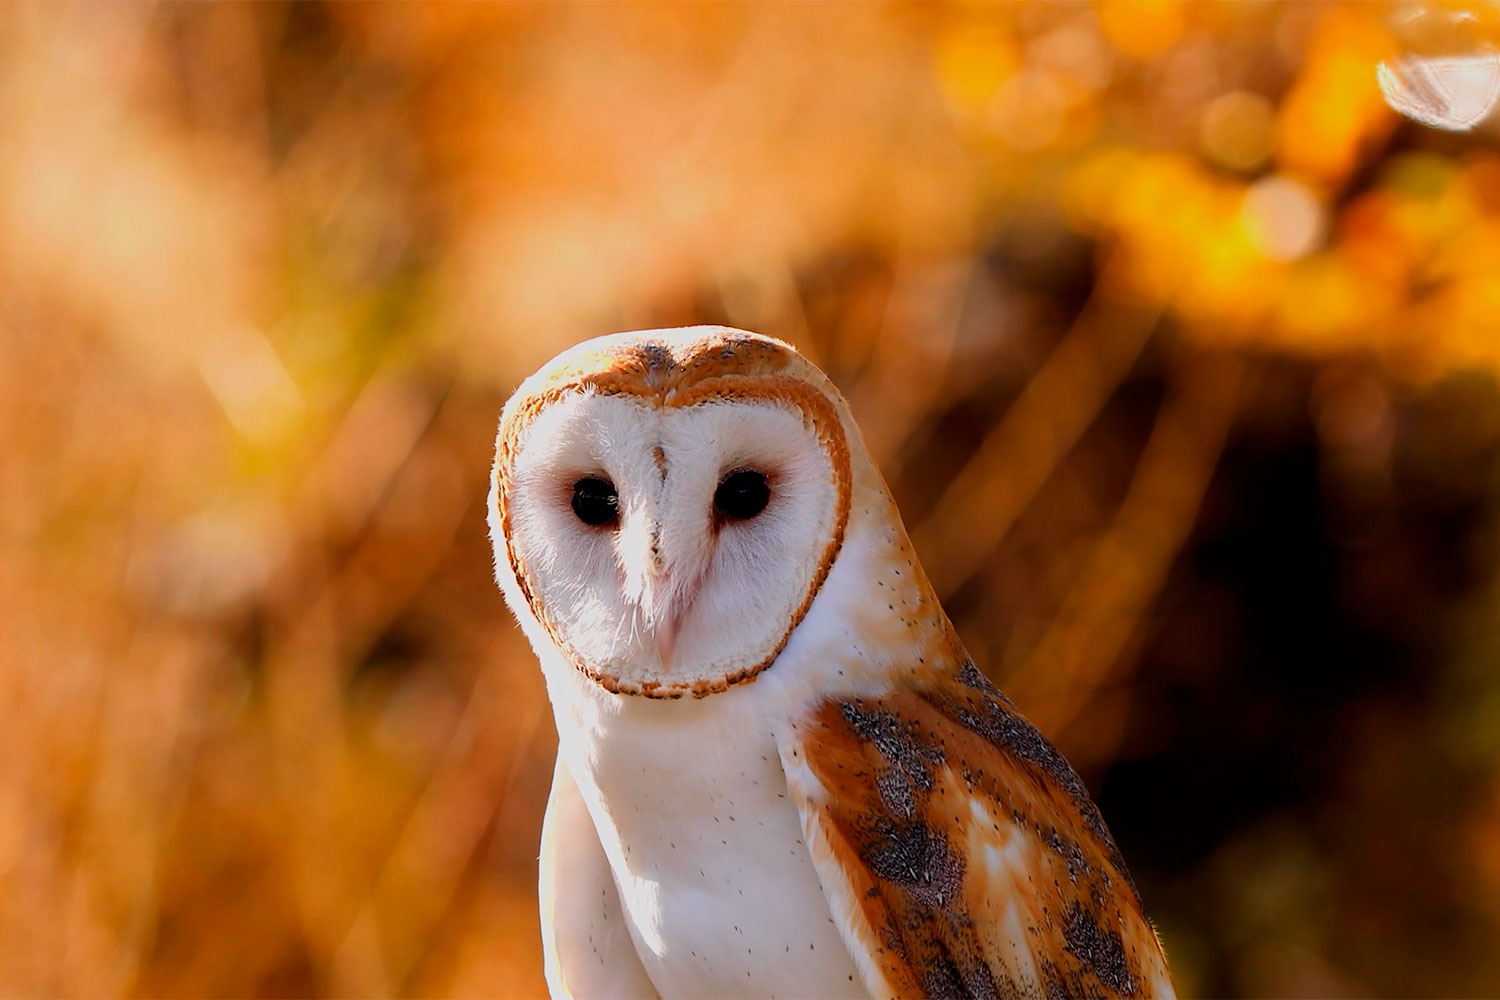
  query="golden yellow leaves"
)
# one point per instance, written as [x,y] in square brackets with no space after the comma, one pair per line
[1334,112]
[1229,201]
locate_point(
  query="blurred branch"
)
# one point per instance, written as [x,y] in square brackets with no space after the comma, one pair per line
[402,495]
[447,825]
[1132,557]
[1018,456]
[909,352]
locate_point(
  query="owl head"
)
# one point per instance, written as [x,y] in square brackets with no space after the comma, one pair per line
[667,504]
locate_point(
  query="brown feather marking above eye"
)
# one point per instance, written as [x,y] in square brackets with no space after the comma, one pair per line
[975,863]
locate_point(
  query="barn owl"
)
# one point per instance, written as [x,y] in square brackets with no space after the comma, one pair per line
[778,772]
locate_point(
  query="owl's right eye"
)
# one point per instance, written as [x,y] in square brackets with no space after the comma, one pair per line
[595,501]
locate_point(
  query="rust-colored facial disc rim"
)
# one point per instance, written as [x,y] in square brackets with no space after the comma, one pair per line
[818,413]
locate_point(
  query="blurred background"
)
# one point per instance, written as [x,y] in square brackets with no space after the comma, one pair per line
[1178,346]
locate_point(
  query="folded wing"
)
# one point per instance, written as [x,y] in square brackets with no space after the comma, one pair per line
[959,851]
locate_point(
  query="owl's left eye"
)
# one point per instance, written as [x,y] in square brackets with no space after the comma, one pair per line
[743,494]
[595,501]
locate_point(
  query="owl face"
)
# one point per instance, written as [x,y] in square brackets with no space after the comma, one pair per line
[669,505]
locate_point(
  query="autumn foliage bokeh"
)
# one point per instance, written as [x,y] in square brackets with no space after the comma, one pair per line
[1179,349]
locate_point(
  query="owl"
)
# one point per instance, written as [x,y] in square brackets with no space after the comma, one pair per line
[778,772]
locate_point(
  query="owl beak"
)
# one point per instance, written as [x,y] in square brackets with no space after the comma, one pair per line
[669,624]
[666,640]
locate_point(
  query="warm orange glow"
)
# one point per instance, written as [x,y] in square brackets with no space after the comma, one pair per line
[1179,346]
[1334,111]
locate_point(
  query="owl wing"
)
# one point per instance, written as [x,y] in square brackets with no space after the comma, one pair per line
[960,854]
[586,946]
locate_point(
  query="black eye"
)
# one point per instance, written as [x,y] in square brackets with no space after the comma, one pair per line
[595,501]
[742,494]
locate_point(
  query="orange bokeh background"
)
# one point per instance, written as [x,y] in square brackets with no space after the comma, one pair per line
[1179,348]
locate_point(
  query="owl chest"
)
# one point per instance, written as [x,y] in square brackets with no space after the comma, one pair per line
[715,880]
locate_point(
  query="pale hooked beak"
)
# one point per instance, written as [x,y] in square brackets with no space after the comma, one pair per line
[666,640]
[677,602]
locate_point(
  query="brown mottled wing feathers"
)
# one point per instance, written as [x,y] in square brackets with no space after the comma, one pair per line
[961,851]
